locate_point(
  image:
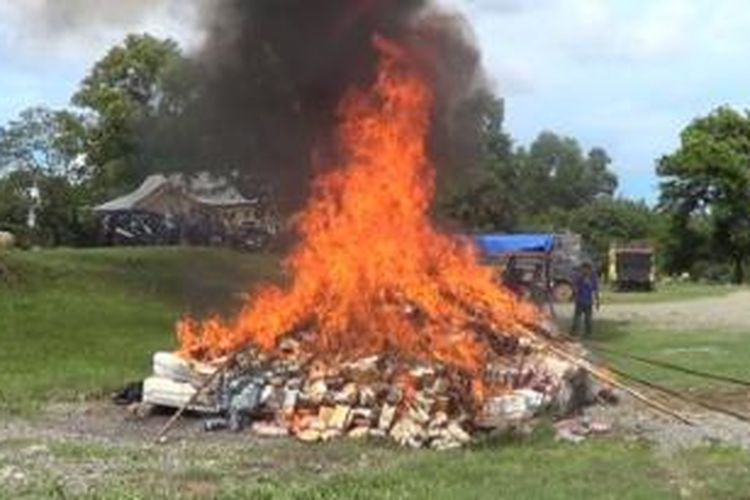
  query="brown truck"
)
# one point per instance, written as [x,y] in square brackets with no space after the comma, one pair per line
[632,266]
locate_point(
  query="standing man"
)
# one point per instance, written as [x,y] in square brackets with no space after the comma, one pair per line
[586,289]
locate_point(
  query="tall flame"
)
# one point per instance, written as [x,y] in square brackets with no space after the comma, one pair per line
[372,274]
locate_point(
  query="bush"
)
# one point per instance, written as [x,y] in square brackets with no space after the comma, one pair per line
[711,272]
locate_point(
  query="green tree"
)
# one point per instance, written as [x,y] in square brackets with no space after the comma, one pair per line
[708,178]
[14,201]
[44,142]
[685,246]
[488,200]
[557,174]
[609,220]
[44,149]
[135,88]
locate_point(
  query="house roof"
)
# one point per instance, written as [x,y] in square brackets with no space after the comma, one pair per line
[202,188]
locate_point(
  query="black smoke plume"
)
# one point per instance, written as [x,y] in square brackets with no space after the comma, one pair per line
[272,74]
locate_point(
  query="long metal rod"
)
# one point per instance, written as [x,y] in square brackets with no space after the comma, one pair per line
[678,395]
[608,379]
[670,366]
[551,344]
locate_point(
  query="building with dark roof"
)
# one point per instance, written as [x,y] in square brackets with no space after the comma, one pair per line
[199,209]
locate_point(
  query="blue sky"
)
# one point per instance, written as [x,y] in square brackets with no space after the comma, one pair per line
[623,74]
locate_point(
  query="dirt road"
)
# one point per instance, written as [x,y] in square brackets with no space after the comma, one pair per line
[730,311]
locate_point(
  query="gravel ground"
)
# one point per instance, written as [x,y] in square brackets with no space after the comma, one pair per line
[731,311]
[73,449]
[631,419]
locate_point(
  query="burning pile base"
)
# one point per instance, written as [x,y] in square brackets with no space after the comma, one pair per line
[416,404]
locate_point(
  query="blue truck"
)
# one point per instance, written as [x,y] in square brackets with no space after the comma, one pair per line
[545,264]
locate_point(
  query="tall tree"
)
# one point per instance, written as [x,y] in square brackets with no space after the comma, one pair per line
[136,86]
[44,142]
[557,174]
[488,199]
[708,177]
[609,220]
[42,153]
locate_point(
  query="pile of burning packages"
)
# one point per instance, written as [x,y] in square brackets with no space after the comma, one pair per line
[414,403]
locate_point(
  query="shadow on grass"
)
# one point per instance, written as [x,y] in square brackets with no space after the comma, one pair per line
[608,330]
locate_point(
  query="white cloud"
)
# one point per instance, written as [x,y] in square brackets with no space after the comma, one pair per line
[79,30]
[606,30]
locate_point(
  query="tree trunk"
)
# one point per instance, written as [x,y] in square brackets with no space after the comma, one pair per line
[739,270]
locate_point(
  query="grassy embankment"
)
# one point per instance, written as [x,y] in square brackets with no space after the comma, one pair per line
[77,323]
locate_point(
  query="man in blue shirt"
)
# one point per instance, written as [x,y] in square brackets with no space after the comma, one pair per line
[586,288]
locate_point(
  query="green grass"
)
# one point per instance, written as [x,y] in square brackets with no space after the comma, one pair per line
[534,468]
[719,351]
[670,292]
[75,323]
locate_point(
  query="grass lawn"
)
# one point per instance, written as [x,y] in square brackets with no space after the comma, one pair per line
[720,351]
[79,323]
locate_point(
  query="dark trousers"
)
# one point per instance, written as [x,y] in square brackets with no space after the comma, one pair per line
[587,311]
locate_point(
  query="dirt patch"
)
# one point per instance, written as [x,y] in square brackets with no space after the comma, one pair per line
[731,311]
[84,449]
[668,435]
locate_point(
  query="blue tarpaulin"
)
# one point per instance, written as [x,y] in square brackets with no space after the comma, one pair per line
[493,245]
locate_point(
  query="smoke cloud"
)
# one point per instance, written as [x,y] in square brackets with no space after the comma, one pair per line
[274,72]
[81,29]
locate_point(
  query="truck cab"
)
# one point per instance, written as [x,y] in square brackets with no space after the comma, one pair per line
[632,267]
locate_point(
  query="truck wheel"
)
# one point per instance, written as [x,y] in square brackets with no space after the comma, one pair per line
[562,291]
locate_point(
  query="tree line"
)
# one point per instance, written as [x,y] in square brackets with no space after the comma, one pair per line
[127,112]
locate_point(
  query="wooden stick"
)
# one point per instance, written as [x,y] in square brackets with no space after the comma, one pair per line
[606,378]
[181,411]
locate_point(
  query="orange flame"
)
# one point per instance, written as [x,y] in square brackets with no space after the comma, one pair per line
[372,274]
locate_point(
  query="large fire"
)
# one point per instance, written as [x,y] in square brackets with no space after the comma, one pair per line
[371,273]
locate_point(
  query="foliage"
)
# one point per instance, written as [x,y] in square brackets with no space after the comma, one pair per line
[529,189]
[608,220]
[708,179]
[686,244]
[556,174]
[62,218]
[43,141]
[136,86]
[485,202]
